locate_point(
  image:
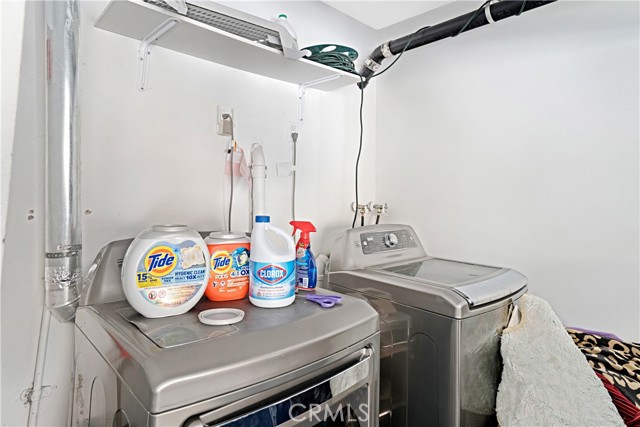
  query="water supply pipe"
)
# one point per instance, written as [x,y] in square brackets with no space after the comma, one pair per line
[258,177]
[63,237]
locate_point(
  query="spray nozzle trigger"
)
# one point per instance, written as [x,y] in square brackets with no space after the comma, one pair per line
[305,228]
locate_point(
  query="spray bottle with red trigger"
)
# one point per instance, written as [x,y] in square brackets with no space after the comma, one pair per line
[306,271]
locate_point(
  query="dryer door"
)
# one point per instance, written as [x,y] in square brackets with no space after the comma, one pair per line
[345,399]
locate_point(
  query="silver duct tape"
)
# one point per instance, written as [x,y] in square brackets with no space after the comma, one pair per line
[68,254]
[76,247]
[63,284]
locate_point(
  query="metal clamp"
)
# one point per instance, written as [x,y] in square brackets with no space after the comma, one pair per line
[386,50]
[487,12]
[145,51]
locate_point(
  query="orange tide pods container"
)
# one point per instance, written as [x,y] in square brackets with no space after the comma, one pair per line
[229,265]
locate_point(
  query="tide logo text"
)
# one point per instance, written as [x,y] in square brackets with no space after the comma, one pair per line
[160,261]
[221,262]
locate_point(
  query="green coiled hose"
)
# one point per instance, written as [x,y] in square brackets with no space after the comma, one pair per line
[333,55]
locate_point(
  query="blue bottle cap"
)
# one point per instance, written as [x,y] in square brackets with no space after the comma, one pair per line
[263,218]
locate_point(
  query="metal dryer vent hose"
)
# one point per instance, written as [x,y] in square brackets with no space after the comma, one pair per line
[63,234]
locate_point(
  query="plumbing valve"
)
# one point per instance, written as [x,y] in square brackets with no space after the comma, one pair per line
[379,208]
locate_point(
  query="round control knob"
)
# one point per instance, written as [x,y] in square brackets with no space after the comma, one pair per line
[390,240]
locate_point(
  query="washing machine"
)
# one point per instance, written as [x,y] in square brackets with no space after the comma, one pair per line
[303,365]
[441,322]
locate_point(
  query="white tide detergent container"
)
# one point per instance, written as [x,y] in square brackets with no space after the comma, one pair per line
[165,270]
[272,271]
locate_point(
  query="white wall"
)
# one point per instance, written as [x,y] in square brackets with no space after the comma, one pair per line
[517,145]
[11,31]
[12,19]
[21,293]
[171,128]
[154,157]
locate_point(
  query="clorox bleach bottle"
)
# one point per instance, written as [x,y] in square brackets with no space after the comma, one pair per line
[272,271]
[165,270]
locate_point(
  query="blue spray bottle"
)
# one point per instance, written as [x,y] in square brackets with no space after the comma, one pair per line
[306,271]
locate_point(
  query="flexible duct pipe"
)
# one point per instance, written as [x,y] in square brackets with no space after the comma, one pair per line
[496,11]
[63,235]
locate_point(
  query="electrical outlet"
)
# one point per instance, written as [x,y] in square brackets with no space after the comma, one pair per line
[294,127]
[220,121]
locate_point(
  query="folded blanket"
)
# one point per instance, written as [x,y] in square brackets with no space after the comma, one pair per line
[546,380]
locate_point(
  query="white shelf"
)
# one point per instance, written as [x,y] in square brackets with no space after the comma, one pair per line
[137,19]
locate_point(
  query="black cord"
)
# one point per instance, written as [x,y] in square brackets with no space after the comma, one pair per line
[362,220]
[475,14]
[230,151]
[231,195]
[524,2]
[400,54]
[361,86]
[355,215]
[377,218]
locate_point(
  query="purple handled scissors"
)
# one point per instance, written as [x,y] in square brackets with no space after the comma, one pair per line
[325,301]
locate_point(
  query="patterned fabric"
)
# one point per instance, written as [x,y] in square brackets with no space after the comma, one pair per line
[617,361]
[629,412]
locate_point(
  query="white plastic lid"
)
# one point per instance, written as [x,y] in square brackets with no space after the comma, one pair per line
[221,316]
[227,235]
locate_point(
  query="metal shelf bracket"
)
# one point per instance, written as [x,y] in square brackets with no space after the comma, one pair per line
[145,51]
[303,87]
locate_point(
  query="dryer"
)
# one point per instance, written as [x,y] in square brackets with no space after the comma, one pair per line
[441,322]
[299,365]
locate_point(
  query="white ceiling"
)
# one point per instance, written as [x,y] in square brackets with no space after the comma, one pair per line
[381,14]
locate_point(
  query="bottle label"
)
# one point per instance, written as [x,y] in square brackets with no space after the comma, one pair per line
[305,270]
[229,269]
[169,275]
[272,281]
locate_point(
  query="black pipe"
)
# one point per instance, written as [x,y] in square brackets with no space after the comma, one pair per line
[499,11]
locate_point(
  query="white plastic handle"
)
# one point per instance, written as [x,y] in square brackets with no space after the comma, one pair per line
[291,246]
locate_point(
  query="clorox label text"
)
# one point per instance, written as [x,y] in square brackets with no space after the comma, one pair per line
[272,273]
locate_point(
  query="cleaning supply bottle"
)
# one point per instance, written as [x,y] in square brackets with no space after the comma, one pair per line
[272,270]
[164,272]
[282,20]
[306,271]
[229,266]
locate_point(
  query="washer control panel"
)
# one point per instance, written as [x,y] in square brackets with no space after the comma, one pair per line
[383,241]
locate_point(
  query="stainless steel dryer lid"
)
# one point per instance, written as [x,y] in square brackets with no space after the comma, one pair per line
[169,367]
[478,284]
